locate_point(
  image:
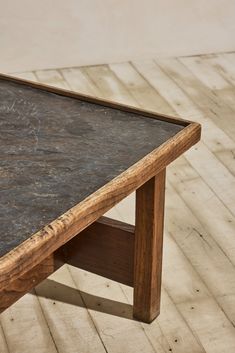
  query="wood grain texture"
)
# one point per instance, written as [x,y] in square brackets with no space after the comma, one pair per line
[44,242]
[148,248]
[213,137]
[106,248]
[28,281]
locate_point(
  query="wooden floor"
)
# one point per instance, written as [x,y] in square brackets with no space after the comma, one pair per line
[76,311]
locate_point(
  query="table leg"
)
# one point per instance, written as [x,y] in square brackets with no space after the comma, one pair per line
[148,248]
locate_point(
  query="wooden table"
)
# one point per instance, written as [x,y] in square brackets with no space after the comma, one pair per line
[65,160]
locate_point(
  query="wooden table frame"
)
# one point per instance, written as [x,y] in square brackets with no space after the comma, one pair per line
[124,253]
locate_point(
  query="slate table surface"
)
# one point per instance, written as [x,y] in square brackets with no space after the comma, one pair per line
[55,151]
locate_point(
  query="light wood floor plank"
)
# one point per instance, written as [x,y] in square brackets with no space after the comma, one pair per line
[210,325]
[180,279]
[156,78]
[26,75]
[3,343]
[180,101]
[205,205]
[25,327]
[205,96]
[206,257]
[214,138]
[174,329]
[227,157]
[215,174]
[78,81]
[109,87]
[111,313]
[212,80]
[224,64]
[223,108]
[146,96]
[205,72]
[51,77]
[67,315]
[169,331]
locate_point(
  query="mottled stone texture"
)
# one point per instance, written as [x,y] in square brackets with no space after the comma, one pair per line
[55,151]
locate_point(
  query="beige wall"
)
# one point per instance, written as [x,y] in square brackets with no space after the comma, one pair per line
[61,33]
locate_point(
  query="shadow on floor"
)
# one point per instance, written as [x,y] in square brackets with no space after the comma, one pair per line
[59,292]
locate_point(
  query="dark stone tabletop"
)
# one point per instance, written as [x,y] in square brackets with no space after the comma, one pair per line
[55,151]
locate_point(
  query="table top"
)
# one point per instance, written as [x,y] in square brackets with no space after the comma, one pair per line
[56,150]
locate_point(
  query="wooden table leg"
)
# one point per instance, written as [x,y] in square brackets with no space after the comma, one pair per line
[148,248]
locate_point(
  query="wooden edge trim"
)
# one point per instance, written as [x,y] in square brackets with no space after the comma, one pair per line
[95,100]
[22,285]
[44,242]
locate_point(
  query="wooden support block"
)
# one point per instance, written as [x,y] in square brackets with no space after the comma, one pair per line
[148,248]
[105,248]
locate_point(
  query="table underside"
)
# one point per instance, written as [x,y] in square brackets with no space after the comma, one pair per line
[56,151]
